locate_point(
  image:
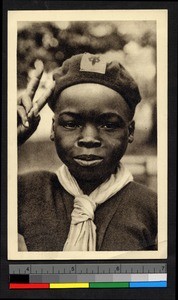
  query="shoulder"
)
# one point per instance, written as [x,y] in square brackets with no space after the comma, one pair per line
[136,194]
[37,182]
[135,189]
[36,177]
[135,219]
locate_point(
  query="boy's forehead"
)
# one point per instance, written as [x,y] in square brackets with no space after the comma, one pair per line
[92,98]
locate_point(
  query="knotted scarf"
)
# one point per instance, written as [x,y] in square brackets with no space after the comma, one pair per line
[82,232]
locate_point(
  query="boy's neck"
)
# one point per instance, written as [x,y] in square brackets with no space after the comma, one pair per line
[89,186]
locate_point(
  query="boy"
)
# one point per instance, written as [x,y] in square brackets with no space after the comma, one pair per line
[91,203]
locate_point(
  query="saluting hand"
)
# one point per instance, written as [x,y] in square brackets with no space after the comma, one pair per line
[27,110]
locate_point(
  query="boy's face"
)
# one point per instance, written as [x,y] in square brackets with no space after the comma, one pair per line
[91,130]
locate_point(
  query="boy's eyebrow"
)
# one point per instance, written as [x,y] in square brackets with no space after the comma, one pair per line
[111,115]
[102,115]
[69,113]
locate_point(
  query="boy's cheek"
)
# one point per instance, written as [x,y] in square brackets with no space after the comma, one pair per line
[117,136]
[64,137]
[64,147]
[118,141]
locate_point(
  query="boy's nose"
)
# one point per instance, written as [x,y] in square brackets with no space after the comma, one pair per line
[89,138]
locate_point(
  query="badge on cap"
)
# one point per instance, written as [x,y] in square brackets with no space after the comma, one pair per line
[92,63]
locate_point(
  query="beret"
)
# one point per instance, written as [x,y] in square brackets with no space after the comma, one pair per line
[93,68]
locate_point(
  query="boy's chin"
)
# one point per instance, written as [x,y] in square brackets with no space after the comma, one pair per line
[90,175]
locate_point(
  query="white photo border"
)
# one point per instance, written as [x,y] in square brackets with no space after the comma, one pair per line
[161,18]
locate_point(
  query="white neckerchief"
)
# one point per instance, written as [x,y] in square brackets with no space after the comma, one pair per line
[82,233]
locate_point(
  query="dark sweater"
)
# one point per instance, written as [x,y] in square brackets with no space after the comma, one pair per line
[127,221]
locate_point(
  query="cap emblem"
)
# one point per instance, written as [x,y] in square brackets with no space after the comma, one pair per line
[92,63]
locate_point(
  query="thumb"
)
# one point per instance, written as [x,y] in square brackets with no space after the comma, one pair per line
[25,132]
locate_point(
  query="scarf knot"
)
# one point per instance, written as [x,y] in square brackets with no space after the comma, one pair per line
[84,209]
[82,233]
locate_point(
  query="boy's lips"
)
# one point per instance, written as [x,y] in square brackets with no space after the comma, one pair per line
[88,160]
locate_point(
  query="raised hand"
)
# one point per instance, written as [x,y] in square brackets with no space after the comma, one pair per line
[27,110]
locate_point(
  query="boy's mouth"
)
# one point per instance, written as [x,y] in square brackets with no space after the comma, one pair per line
[88,160]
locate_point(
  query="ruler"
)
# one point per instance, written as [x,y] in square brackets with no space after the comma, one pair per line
[45,276]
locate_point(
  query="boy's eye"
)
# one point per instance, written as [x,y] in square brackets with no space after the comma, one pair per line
[110,126]
[70,124]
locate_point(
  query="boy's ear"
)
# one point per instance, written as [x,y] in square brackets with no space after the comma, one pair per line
[52,131]
[131,132]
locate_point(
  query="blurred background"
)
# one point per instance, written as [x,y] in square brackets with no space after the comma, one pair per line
[133,43]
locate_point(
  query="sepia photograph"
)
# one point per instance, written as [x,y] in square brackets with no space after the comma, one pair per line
[87,134]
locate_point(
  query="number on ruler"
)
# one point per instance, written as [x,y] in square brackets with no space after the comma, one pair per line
[27,269]
[117,268]
[72,269]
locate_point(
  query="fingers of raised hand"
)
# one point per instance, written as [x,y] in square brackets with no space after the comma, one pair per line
[23,108]
[25,102]
[27,110]
[42,100]
[46,95]
[35,79]
[22,116]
